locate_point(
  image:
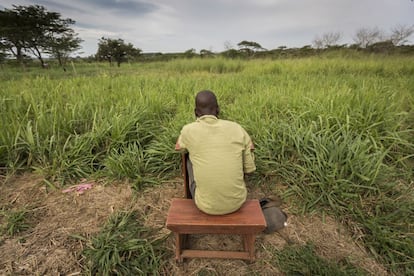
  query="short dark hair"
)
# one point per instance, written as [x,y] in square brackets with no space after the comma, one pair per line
[206,103]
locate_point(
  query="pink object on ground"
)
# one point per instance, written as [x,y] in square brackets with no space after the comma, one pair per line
[80,189]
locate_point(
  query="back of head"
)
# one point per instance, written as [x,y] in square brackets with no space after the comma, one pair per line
[206,104]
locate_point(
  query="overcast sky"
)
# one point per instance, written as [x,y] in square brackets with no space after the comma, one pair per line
[178,25]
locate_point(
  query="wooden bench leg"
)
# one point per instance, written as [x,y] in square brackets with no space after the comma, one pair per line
[180,240]
[248,242]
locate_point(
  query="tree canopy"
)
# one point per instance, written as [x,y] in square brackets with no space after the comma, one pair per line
[116,50]
[249,46]
[34,30]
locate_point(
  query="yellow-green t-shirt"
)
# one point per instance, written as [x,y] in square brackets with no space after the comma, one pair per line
[220,152]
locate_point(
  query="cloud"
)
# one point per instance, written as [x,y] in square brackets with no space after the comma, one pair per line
[165,25]
[119,7]
[122,7]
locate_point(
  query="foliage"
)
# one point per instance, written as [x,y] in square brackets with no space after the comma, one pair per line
[63,45]
[124,247]
[206,53]
[116,50]
[15,222]
[230,53]
[33,29]
[190,53]
[251,45]
[303,260]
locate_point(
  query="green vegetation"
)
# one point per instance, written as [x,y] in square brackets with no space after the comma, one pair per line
[33,31]
[14,222]
[338,131]
[115,50]
[123,247]
[303,260]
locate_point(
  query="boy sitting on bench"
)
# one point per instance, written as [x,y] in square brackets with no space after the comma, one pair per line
[220,154]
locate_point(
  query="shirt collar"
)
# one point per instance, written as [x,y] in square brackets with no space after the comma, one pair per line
[207,119]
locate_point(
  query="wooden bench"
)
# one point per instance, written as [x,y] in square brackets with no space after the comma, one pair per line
[184,218]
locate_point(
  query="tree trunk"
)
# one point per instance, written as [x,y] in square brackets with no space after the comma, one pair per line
[19,55]
[62,63]
[38,54]
[59,57]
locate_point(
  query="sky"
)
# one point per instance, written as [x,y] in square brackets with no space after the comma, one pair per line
[178,25]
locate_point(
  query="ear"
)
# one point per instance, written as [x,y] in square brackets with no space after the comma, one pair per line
[217,111]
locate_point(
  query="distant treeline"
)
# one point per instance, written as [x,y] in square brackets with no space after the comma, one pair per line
[282,52]
[381,48]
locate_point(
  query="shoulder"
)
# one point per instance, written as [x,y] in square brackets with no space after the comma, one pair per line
[189,127]
[229,123]
[232,125]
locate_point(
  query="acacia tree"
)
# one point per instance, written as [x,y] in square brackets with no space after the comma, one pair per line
[13,35]
[249,46]
[63,45]
[116,50]
[34,30]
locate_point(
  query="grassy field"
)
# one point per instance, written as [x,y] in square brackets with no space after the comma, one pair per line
[338,132]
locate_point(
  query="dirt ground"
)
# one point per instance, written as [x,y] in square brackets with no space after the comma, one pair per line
[47,247]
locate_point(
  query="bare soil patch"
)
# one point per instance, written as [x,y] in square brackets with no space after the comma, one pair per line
[48,248]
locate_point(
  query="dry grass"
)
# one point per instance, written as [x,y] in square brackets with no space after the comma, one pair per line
[47,248]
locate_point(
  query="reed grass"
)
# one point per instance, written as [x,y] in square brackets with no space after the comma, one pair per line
[339,132]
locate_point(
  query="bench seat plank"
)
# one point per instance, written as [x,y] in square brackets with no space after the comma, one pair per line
[186,218]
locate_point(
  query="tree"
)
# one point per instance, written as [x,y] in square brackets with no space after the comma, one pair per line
[61,46]
[116,50]
[249,46]
[365,37]
[206,53]
[400,34]
[327,40]
[49,32]
[190,53]
[231,53]
[13,35]
[3,54]
[33,29]
[384,47]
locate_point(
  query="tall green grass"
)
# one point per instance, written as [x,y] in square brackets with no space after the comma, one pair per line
[339,132]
